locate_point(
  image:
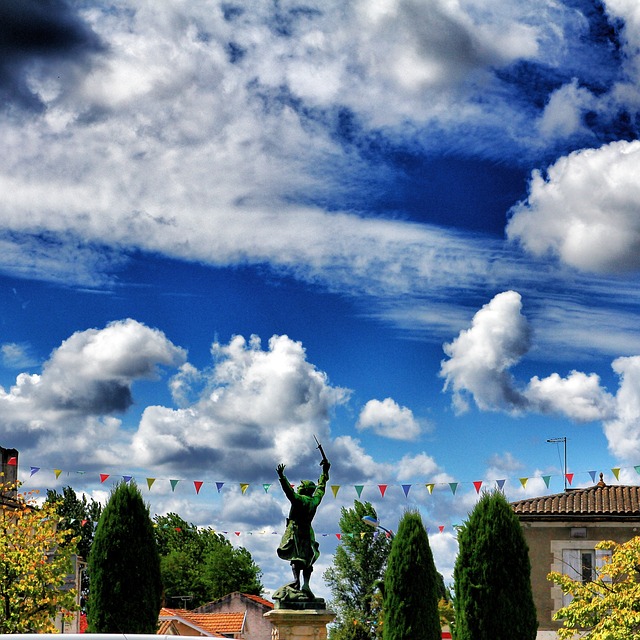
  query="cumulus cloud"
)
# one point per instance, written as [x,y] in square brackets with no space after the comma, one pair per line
[623,431]
[579,396]
[481,356]
[67,407]
[387,418]
[260,407]
[585,210]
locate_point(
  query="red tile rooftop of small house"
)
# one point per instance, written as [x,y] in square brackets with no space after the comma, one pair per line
[259,600]
[210,622]
[600,501]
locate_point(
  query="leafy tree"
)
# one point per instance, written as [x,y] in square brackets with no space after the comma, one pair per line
[79,517]
[358,566]
[34,562]
[608,608]
[493,598]
[124,567]
[411,588]
[202,564]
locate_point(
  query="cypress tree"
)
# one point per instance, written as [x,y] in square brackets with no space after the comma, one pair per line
[411,585]
[124,567]
[492,575]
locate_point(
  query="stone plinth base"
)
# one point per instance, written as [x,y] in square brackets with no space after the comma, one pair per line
[289,624]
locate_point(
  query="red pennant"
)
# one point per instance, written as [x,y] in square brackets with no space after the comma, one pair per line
[477,484]
[103,476]
[339,536]
[237,533]
[383,488]
[441,527]
[198,484]
[569,477]
[13,461]
[84,522]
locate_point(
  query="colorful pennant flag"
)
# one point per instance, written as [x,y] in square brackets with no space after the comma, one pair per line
[57,472]
[383,489]
[430,487]
[174,484]
[335,488]
[637,468]
[12,461]
[477,484]
[34,470]
[500,484]
[266,487]
[150,482]
[219,486]
[453,486]
[546,480]
[569,477]
[243,487]
[616,472]
[359,488]
[406,488]
[127,479]
[593,476]
[198,485]
[441,528]
[103,477]
[523,482]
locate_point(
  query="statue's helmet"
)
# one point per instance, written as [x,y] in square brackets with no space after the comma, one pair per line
[307,487]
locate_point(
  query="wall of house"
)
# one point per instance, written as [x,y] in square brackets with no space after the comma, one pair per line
[256,627]
[546,541]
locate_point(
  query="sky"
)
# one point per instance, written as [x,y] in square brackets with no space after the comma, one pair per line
[410,228]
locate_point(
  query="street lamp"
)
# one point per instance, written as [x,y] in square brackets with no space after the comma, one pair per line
[375,523]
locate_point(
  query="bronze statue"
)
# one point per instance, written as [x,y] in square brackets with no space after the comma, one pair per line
[298,544]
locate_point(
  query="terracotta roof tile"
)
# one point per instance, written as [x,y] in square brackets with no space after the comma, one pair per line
[598,502]
[209,622]
[259,600]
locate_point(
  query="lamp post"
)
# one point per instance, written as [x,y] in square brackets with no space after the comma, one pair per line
[375,523]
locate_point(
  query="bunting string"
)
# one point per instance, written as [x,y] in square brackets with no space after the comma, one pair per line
[369,491]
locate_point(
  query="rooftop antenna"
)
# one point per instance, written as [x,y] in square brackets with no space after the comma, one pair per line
[564,441]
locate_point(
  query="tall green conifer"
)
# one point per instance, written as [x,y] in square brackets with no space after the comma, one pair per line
[124,567]
[492,575]
[411,585]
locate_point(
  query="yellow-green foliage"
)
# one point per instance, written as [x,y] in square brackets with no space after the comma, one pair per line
[609,607]
[33,566]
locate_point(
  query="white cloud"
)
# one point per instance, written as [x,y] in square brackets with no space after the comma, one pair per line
[16,355]
[623,432]
[480,357]
[259,408]
[585,211]
[579,396]
[388,419]
[562,116]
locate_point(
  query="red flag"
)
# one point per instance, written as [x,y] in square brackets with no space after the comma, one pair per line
[477,484]
[383,488]
[103,476]
[13,461]
[198,485]
[569,477]
[441,527]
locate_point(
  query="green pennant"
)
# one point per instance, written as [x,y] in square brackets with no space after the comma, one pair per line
[173,484]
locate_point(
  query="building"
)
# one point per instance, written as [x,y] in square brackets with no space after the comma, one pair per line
[237,615]
[562,531]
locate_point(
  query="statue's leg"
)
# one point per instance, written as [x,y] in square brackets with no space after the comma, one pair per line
[295,568]
[306,576]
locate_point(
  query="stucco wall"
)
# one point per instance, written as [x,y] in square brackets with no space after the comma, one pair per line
[546,541]
[256,627]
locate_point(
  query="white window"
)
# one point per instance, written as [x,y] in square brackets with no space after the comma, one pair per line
[582,565]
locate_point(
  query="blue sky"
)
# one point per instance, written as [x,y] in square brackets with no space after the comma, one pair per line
[408,227]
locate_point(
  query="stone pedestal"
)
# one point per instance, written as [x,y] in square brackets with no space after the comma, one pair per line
[306,624]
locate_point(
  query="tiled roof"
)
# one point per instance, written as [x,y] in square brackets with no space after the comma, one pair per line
[209,622]
[600,502]
[259,600]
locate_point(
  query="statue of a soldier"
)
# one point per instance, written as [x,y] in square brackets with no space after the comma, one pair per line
[298,544]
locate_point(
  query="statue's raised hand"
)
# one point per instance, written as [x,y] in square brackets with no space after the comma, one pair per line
[280,470]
